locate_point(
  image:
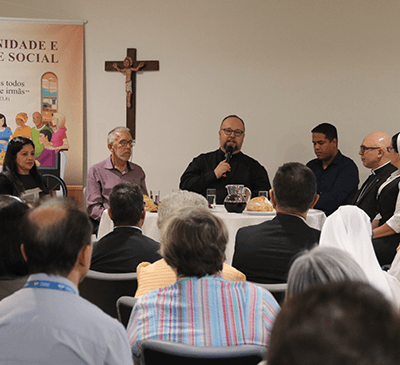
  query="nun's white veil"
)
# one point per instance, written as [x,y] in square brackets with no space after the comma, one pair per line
[349,228]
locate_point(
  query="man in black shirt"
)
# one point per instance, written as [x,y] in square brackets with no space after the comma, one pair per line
[212,170]
[337,175]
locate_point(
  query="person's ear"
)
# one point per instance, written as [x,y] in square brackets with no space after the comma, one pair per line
[85,256]
[110,146]
[23,252]
[316,198]
[109,213]
[272,197]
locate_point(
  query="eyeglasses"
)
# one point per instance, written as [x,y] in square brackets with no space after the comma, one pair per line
[229,131]
[364,149]
[124,143]
[388,148]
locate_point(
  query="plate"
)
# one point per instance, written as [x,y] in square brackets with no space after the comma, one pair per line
[260,213]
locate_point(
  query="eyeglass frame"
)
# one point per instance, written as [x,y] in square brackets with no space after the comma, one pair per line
[124,143]
[236,132]
[364,149]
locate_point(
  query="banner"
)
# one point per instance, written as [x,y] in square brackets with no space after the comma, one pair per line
[41,91]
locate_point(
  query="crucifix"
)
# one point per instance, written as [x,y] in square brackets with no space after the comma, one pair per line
[129,67]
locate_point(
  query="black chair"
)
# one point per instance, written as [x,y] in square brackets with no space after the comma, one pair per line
[277,290]
[53,176]
[124,309]
[156,352]
[104,289]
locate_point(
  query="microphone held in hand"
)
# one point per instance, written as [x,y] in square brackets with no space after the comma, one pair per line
[228,153]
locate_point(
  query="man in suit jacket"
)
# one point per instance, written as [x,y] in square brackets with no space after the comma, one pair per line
[123,249]
[375,155]
[264,252]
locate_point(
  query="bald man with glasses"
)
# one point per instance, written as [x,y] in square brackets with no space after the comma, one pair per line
[374,152]
[227,165]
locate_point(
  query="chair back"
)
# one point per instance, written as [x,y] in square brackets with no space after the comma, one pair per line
[277,290]
[155,352]
[103,289]
[124,308]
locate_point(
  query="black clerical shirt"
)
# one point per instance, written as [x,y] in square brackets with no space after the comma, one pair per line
[199,175]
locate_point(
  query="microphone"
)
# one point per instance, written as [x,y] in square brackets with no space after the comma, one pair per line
[228,153]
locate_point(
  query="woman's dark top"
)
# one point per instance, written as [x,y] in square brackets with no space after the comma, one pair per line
[29,182]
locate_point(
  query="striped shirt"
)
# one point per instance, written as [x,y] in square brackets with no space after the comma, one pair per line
[207,311]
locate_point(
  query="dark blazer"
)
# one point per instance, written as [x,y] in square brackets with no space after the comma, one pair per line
[122,250]
[264,252]
[366,198]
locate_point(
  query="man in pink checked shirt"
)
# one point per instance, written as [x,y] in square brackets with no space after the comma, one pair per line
[116,169]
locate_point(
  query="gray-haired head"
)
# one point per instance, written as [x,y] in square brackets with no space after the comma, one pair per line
[174,201]
[322,265]
[111,134]
[193,242]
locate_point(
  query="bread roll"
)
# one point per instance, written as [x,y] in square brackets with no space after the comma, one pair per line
[150,205]
[259,204]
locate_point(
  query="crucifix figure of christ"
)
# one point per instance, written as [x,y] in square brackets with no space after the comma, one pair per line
[129,67]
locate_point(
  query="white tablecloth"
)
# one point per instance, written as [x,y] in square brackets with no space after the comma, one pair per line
[233,221]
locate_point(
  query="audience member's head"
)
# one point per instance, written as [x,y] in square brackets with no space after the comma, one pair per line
[373,150]
[126,204]
[294,188]
[174,201]
[322,265]
[193,242]
[12,211]
[349,229]
[54,234]
[346,323]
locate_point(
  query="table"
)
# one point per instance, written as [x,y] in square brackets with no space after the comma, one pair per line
[233,221]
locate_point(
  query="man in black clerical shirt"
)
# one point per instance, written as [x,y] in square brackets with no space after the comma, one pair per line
[336,174]
[375,156]
[212,170]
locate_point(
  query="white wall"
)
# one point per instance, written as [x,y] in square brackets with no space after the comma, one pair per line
[283,66]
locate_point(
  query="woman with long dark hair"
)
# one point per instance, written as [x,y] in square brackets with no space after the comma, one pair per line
[19,169]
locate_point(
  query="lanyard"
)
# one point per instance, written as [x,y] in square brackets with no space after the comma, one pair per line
[46,284]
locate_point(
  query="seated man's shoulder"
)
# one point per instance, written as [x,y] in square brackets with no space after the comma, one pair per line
[135,166]
[63,318]
[100,165]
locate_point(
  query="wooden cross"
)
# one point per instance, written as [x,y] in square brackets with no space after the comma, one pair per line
[148,66]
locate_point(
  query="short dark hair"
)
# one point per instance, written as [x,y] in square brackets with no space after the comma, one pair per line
[394,142]
[233,116]
[193,241]
[53,234]
[47,133]
[347,323]
[12,262]
[329,130]
[294,186]
[126,204]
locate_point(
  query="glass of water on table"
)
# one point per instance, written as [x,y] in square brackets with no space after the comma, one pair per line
[211,197]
